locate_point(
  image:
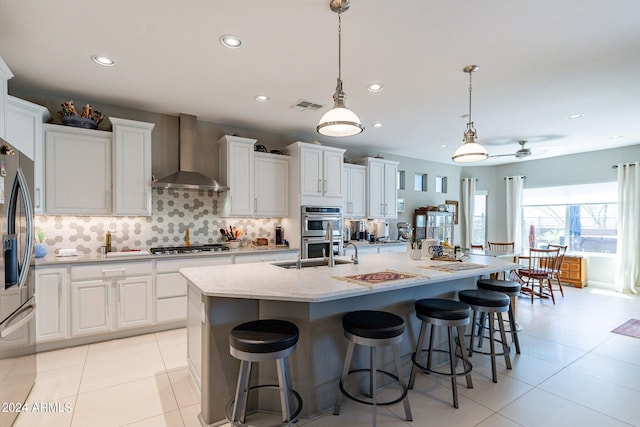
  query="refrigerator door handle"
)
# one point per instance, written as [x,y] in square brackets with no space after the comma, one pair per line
[18,320]
[21,182]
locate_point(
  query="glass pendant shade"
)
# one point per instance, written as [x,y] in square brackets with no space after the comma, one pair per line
[470,151]
[339,121]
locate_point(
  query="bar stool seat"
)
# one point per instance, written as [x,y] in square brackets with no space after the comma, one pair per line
[489,303]
[512,290]
[258,341]
[452,315]
[373,329]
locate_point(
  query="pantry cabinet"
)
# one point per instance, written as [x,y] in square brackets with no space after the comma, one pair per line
[78,171]
[131,167]
[25,131]
[51,304]
[354,191]
[316,173]
[382,190]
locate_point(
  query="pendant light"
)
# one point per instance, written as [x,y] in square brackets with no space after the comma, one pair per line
[470,151]
[339,121]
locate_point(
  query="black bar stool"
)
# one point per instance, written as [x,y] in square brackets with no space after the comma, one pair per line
[373,329]
[510,289]
[452,315]
[259,341]
[488,303]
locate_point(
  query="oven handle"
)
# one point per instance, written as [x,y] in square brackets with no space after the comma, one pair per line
[23,317]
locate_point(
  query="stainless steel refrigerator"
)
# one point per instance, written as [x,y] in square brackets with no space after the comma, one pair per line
[17,283]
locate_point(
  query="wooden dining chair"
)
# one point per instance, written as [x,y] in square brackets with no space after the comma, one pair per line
[507,247]
[557,270]
[538,271]
[501,247]
[477,247]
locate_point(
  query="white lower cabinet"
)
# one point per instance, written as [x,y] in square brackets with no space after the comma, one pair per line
[51,304]
[109,297]
[171,286]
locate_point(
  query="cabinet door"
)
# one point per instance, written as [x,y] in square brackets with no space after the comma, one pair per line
[78,171]
[390,190]
[240,170]
[134,302]
[311,172]
[90,307]
[358,189]
[375,189]
[131,167]
[332,173]
[51,304]
[271,186]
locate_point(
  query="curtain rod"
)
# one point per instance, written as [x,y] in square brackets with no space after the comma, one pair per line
[510,177]
[627,164]
[475,179]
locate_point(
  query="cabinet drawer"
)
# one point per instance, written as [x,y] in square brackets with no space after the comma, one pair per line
[173,265]
[110,270]
[170,285]
[171,309]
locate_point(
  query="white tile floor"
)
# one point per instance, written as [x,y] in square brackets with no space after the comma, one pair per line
[572,372]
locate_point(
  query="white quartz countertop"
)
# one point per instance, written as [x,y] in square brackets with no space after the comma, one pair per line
[53,260]
[317,284]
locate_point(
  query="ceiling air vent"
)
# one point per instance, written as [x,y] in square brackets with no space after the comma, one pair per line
[303,105]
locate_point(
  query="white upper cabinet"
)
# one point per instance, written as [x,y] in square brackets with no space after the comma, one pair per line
[131,167]
[25,132]
[354,191]
[258,182]
[5,75]
[236,172]
[316,174]
[78,171]
[271,189]
[381,188]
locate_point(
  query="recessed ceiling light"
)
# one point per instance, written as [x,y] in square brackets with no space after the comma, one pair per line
[103,60]
[261,98]
[575,116]
[375,87]
[231,41]
[377,125]
[615,136]
[443,145]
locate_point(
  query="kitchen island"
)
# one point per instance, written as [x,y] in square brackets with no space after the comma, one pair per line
[315,299]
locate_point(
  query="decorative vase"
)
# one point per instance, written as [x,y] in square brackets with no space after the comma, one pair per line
[40,250]
[415,254]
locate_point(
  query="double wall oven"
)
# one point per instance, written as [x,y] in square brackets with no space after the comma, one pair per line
[314,223]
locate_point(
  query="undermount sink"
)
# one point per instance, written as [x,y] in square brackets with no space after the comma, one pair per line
[310,262]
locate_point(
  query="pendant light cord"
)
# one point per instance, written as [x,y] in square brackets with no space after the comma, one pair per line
[340,46]
[470,96]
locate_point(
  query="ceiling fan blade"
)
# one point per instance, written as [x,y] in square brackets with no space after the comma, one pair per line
[503,155]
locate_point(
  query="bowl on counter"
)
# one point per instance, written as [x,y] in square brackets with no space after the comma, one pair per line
[233,244]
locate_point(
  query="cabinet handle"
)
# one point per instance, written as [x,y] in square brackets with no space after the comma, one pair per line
[38,198]
[324,189]
[319,186]
[255,204]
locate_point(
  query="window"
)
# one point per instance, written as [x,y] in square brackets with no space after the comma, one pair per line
[480,218]
[441,184]
[420,182]
[400,180]
[584,217]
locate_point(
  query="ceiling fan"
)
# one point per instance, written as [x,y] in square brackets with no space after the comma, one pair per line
[520,154]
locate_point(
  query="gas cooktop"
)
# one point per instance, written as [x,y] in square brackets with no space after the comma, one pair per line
[193,249]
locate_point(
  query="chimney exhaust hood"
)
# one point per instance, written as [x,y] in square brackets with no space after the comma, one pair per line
[187,177]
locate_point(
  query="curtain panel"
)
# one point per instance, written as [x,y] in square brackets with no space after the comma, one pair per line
[468,208]
[514,186]
[628,248]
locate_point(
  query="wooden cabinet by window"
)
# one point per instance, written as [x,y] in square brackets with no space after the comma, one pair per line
[574,271]
[434,224]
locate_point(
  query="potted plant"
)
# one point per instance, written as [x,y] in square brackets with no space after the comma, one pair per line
[40,248]
[415,251]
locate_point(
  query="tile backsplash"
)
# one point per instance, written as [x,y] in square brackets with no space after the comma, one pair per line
[174,211]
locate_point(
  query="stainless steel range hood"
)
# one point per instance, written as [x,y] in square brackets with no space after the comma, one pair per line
[187,177]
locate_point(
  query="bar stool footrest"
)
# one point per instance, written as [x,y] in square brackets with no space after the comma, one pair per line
[357,399]
[293,418]
[468,367]
[488,353]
